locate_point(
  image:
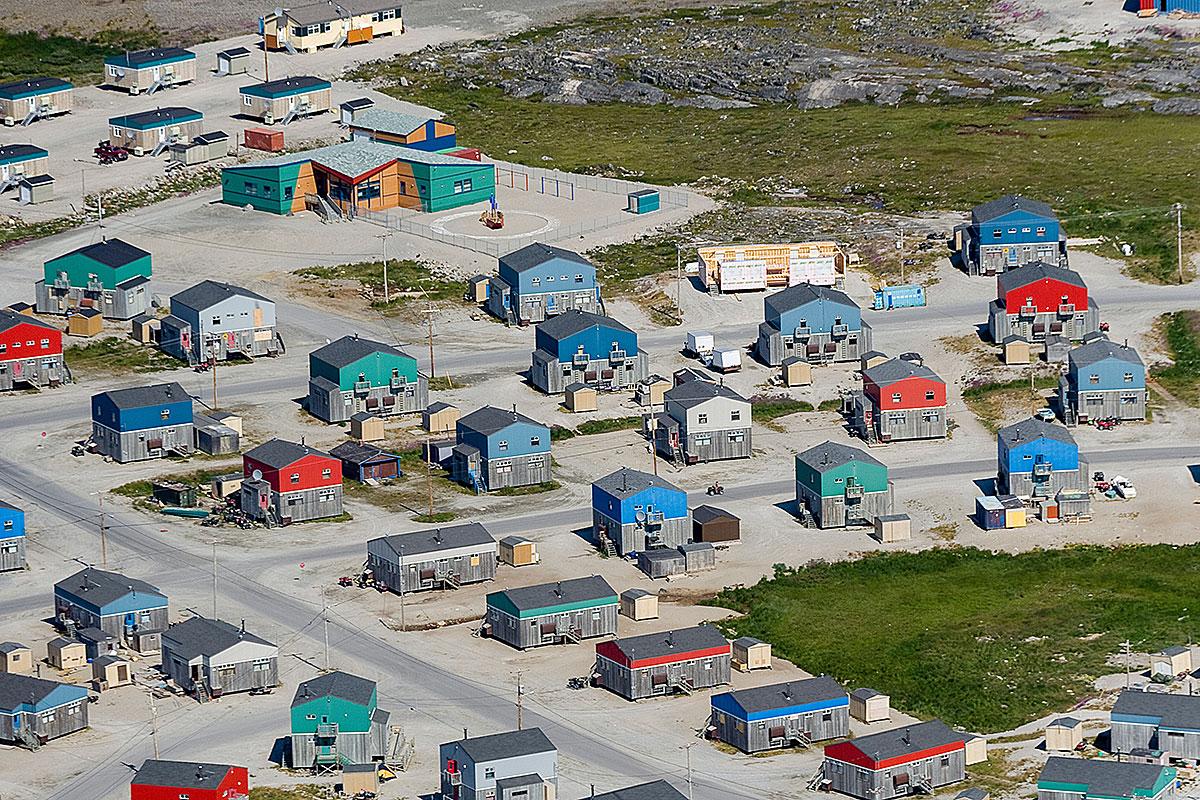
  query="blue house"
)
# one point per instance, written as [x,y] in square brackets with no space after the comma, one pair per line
[634,511]
[34,711]
[1103,381]
[495,449]
[12,537]
[142,422]
[539,281]
[781,715]
[131,610]
[1010,232]
[1038,459]
[587,348]
[816,323]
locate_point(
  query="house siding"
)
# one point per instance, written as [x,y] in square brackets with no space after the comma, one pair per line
[870,784]
[661,679]
[429,570]
[755,736]
[534,631]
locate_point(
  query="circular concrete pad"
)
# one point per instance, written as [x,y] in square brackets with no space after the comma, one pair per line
[516,224]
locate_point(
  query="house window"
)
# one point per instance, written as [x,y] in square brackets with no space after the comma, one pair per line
[216,320]
[929,395]
[735,415]
[389,13]
[310,716]
[294,477]
[325,495]
[46,346]
[502,445]
[489,773]
[1024,230]
[579,279]
[549,279]
[997,233]
[117,132]
[326,473]
[1129,377]
[8,524]
[112,71]
[535,441]
[1041,231]
[536,281]
[465,185]
[702,419]
[246,100]
[250,188]
[1012,231]
[262,665]
[737,437]
[595,614]
[165,413]
[1093,379]
[896,397]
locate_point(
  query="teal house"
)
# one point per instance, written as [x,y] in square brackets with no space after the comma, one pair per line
[336,721]
[839,486]
[354,374]
[110,275]
[1066,778]
[552,613]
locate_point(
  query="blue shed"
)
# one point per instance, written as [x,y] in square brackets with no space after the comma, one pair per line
[12,537]
[142,422]
[495,449]
[637,511]
[782,714]
[539,281]
[643,201]
[1038,458]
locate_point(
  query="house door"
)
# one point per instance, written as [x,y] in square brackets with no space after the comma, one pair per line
[155,73]
[4,172]
[322,183]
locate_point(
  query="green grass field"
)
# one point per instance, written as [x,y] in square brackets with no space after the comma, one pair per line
[1181,330]
[406,279]
[983,640]
[28,55]
[116,356]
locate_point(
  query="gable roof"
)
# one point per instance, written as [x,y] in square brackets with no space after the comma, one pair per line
[180,774]
[100,587]
[510,744]
[489,420]
[666,643]
[549,595]
[538,253]
[693,393]
[202,636]
[831,455]
[279,453]
[654,790]
[360,452]
[1172,710]
[109,252]
[1103,778]
[704,514]
[576,320]
[1101,350]
[802,294]
[348,349]
[17,690]
[1031,429]
[897,369]
[627,482]
[388,121]
[11,319]
[906,741]
[415,543]
[985,212]
[207,294]
[338,684]
[146,396]
[788,694]
[28,87]
[1031,273]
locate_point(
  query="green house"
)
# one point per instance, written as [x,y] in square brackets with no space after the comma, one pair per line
[336,721]
[549,613]
[354,374]
[840,485]
[104,264]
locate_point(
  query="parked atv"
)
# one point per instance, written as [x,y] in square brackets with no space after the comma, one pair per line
[108,154]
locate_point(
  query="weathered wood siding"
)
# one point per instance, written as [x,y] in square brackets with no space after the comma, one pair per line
[635,684]
[1021,483]
[881,784]
[830,512]
[913,423]
[717,445]
[586,623]
[38,371]
[356,748]
[517,470]
[423,575]
[1122,404]
[316,503]
[12,553]
[112,303]
[816,348]
[756,736]
[47,725]
[632,538]
[139,80]
[1035,328]
[1128,736]
[127,446]
[553,377]
[242,677]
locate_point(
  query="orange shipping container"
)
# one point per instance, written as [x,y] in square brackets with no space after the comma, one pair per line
[264,139]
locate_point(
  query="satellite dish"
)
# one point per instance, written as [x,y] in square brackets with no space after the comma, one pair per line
[639,517]
[256,475]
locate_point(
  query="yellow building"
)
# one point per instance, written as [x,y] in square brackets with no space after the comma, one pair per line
[311,26]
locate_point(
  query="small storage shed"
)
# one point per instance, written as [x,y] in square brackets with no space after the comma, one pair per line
[639,604]
[1058,349]
[871,358]
[145,329]
[1172,661]
[796,372]
[66,654]
[170,493]
[517,551]
[1016,350]
[662,562]
[750,654]
[36,189]
[15,659]
[973,794]
[263,139]
[580,397]
[643,201]
[893,528]
[347,108]
[712,524]
[1064,734]
[477,288]
[439,418]
[109,672]
[975,750]
[85,322]
[650,391]
[234,61]
[1073,503]
[1014,511]
[358,779]
[229,485]
[868,705]
[989,513]
[366,462]
[366,427]
[698,556]
[97,643]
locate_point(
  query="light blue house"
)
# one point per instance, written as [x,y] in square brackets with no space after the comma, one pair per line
[219,321]
[636,511]
[34,711]
[142,422]
[495,449]
[1037,459]
[816,323]
[1009,232]
[132,610]
[1104,380]
[781,715]
[539,281]
[12,537]
[582,347]
[503,766]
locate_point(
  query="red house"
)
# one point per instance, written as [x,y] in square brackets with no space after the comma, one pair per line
[1038,302]
[31,351]
[901,399]
[286,482]
[914,759]
[664,663]
[175,780]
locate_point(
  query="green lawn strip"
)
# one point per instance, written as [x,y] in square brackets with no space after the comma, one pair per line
[991,402]
[1181,332]
[407,279]
[31,55]
[535,488]
[117,356]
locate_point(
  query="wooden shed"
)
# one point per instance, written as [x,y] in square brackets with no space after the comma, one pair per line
[145,329]
[1172,661]
[1064,734]
[229,485]
[650,391]
[66,654]
[366,427]
[662,562]
[358,779]
[109,672]
[712,524]
[871,358]
[1016,350]
[35,189]
[440,418]
[639,604]
[796,372]
[1014,511]
[15,659]
[698,556]
[85,322]
[868,705]
[580,397]
[975,750]
[750,653]
[233,61]
[893,528]
[477,288]
[517,551]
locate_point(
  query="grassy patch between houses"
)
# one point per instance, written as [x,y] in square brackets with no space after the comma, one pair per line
[1181,333]
[407,280]
[435,518]
[142,490]
[984,640]
[766,412]
[521,491]
[994,403]
[29,55]
[303,792]
[116,356]
[833,404]
[596,426]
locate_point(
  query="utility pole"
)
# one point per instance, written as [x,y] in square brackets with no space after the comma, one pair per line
[520,696]
[154,724]
[687,748]
[325,627]
[99,208]
[1179,238]
[429,319]
[678,281]
[403,575]
[214,578]
[387,296]
[429,475]
[212,357]
[1126,647]
[103,535]
[266,64]
[653,455]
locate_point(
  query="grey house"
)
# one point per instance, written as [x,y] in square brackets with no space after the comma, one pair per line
[796,713]
[915,759]
[1149,720]
[134,612]
[216,321]
[658,664]
[1065,778]
[703,422]
[552,613]
[211,658]
[517,765]
[444,557]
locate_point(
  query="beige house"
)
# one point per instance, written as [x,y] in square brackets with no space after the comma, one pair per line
[152,132]
[305,28]
[286,99]
[22,102]
[150,70]
[20,161]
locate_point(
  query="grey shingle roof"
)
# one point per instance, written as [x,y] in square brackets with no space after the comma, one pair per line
[1006,203]
[143,396]
[417,543]
[511,744]
[693,393]
[1031,273]
[11,319]
[1174,710]
[655,790]
[1102,778]
[627,482]
[388,121]
[349,349]
[536,254]
[279,453]
[802,294]
[546,595]
[203,636]
[704,514]
[32,85]
[676,642]
[17,689]
[338,684]
[830,455]
[10,647]
[790,693]
[1064,722]
[1102,349]
[234,52]
[110,252]
[1033,428]
[907,740]
[207,294]
[865,694]
[100,587]
[359,452]
[181,774]
[489,420]
[896,369]
[572,322]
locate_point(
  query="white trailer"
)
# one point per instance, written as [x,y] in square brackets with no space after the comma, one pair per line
[699,344]
[727,360]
